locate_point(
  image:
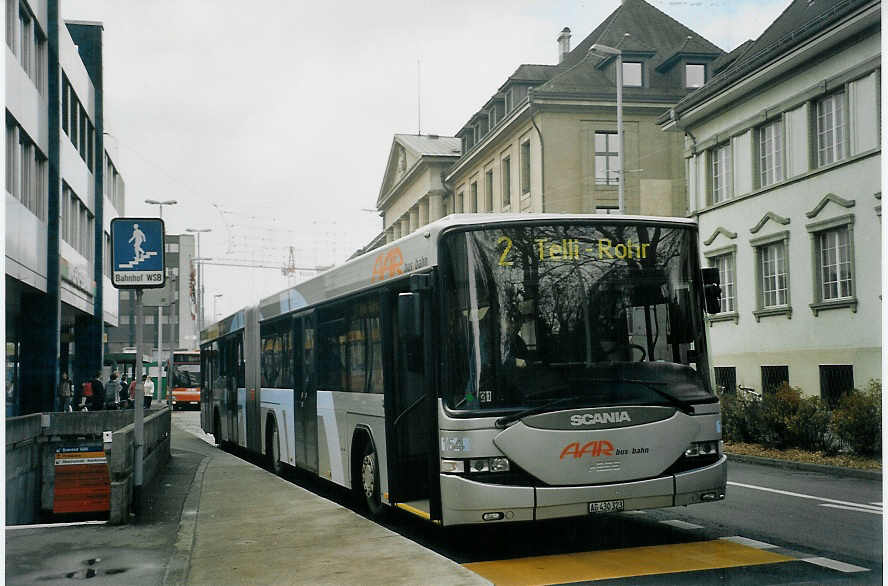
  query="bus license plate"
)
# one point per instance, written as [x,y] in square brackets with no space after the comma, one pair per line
[606,507]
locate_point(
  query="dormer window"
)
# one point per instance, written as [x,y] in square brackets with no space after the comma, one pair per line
[695,75]
[509,100]
[632,74]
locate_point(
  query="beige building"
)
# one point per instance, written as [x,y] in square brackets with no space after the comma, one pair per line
[547,140]
[412,192]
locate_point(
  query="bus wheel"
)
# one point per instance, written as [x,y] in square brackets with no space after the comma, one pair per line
[370,482]
[273,450]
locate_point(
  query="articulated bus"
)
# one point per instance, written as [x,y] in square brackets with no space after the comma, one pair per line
[486,368]
[186,379]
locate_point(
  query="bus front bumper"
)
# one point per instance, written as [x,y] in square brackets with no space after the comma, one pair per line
[466,501]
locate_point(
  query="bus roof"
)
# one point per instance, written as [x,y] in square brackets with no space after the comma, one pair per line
[412,253]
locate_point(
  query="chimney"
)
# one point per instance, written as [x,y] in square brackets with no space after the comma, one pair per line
[563,44]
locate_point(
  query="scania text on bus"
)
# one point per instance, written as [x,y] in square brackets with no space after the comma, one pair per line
[487,368]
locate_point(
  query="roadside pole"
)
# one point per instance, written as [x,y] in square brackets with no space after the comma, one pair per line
[137,263]
[139,416]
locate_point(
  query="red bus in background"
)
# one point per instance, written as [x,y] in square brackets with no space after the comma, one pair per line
[186,379]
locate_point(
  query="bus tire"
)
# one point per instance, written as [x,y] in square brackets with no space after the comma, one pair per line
[273,448]
[369,482]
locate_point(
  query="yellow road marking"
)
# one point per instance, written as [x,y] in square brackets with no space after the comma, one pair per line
[622,563]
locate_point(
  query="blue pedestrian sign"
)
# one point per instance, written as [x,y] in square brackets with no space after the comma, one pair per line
[137,259]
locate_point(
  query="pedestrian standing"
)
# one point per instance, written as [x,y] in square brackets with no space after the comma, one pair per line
[112,392]
[123,395]
[98,393]
[149,390]
[66,392]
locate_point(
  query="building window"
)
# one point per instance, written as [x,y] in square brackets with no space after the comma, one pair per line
[11,150]
[774,275]
[836,381]
[695,75]
[507,181]
[25,43]
[11,8]
[834,247]
[509,100]
[831,129]
[773,377]
[474,196]
[40,65]
[459,203]
[106,256]
[726,379]
[632,74]
[171,247]
[771,153]
[525,167]
[488,191]
[607,147]
[66,104]
[721,173]
[832,243]
[727,273]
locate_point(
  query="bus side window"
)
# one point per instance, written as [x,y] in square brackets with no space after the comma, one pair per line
[308,346]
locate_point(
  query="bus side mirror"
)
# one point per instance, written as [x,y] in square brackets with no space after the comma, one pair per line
[711,290]
[410,317]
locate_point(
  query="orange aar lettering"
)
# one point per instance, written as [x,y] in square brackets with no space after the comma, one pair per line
[388,265]
[593,448]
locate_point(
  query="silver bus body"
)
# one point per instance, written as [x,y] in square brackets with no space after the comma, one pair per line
[562,461]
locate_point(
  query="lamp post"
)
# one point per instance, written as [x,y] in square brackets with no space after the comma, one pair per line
[620,175]
[200,303]
[160,204]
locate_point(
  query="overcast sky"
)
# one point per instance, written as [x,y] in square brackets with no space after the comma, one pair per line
[271,122]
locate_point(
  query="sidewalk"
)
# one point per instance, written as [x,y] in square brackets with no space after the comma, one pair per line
[213,518]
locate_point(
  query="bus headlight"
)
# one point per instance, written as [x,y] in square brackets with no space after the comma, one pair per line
[475,465]
[453,466]
[702,449]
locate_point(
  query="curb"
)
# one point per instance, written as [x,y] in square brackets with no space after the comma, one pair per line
[822,468]
[180,562]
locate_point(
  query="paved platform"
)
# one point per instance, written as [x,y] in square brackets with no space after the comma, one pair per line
[214,518]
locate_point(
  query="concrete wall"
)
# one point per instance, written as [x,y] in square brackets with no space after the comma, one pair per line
[23,469]
[30,457]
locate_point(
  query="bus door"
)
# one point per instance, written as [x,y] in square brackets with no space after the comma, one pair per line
[234,369]
[305,425]
[409,412]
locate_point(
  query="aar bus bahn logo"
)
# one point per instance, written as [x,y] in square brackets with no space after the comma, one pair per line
[388,264]
[594,448]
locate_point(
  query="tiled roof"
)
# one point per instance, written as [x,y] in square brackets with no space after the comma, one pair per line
[649,31]
[800,21]
[533,72]
[728,58]
[431,144]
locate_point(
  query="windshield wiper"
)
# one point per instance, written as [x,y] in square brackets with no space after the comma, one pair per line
[504,421]
[682,406]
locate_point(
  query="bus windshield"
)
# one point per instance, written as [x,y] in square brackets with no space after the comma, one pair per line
[574,314]
[186,370]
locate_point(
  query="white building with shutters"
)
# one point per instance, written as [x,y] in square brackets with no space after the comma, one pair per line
[784,175]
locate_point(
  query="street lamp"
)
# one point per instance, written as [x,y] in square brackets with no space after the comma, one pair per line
[166,202]
[200,303]
[620,176]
